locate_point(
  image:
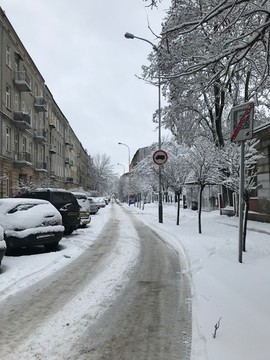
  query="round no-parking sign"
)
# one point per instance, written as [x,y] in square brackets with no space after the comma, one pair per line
[160,157]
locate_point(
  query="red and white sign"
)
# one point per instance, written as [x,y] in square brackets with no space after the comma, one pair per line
[242,121]
[160,157]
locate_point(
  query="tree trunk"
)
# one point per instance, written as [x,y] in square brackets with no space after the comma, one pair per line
[200,209]
[178,207]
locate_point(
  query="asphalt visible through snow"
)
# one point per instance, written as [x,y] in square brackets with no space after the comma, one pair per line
[150,319]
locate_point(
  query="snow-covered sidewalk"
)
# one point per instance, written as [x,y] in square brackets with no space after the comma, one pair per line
[223,289]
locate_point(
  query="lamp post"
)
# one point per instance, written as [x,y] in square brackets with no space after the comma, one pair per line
[120,143]
[123,167]
[160,208]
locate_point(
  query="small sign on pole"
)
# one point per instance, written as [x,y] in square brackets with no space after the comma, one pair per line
[242,121]
[160,157]
[241,130]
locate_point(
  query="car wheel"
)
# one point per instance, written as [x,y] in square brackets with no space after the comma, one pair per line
[51,246]
[68,231]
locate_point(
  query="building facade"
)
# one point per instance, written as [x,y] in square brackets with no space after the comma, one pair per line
[260,204]
[37,143]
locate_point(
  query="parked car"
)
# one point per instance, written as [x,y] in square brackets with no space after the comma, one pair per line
[2,244]
[93,206]
[99,201]
[64,201]
[84,208]
[28,222]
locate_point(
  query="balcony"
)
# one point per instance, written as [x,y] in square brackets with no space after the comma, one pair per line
[69,161]
[23,158]
[40,104]
[68,179]
[41,166]
[22,81]
[22,119]
[52,149]
[41,135]
[52,123]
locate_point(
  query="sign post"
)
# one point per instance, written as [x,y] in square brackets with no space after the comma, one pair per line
[160,157]
[241,130]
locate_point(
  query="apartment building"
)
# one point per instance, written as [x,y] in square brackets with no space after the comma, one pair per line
[37,143]
[260,203]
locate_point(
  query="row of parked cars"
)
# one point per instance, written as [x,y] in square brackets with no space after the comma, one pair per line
[43,216]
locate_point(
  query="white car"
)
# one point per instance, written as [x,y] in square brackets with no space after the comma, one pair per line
[84,208]
[27,222]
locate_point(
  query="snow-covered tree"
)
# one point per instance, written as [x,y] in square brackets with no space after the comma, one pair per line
[230,172]
[176,170]
[211,55]
[144,177]
[103,175]
[203,161]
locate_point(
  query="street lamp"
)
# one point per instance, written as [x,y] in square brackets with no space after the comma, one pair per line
[128,154]
[120,143]
[123,167]
[160,209]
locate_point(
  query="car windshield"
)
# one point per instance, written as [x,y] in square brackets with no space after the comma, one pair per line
[22,207]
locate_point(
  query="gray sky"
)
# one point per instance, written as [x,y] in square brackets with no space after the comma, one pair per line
[89,67]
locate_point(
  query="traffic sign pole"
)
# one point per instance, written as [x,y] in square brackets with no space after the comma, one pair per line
[160,157]
[241,202]
[241,130]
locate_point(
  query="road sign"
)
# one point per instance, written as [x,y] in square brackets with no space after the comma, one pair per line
[160,157]
[242,121]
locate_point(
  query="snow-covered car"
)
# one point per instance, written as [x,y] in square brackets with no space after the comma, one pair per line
[64,201]
[93,206]
[2,244]
[28,222]
[99,201]
[84,208]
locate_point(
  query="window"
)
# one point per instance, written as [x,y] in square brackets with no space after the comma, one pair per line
[16,101]
[8,96]
[8,56]
[24,145]
[17,139]
[17,64]
[8,139]
[30,81]
[30,113]
[30,148]
[35,90]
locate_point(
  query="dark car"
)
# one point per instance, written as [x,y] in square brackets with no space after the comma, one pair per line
[64,201]
[2,244]
[30,222]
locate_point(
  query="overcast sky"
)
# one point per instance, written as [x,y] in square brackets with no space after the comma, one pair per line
[90,67]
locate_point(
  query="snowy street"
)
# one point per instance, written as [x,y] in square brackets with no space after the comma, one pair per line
[81,302]
[123,295]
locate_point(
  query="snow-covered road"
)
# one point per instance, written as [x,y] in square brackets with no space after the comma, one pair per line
[127,273]
[221,287]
